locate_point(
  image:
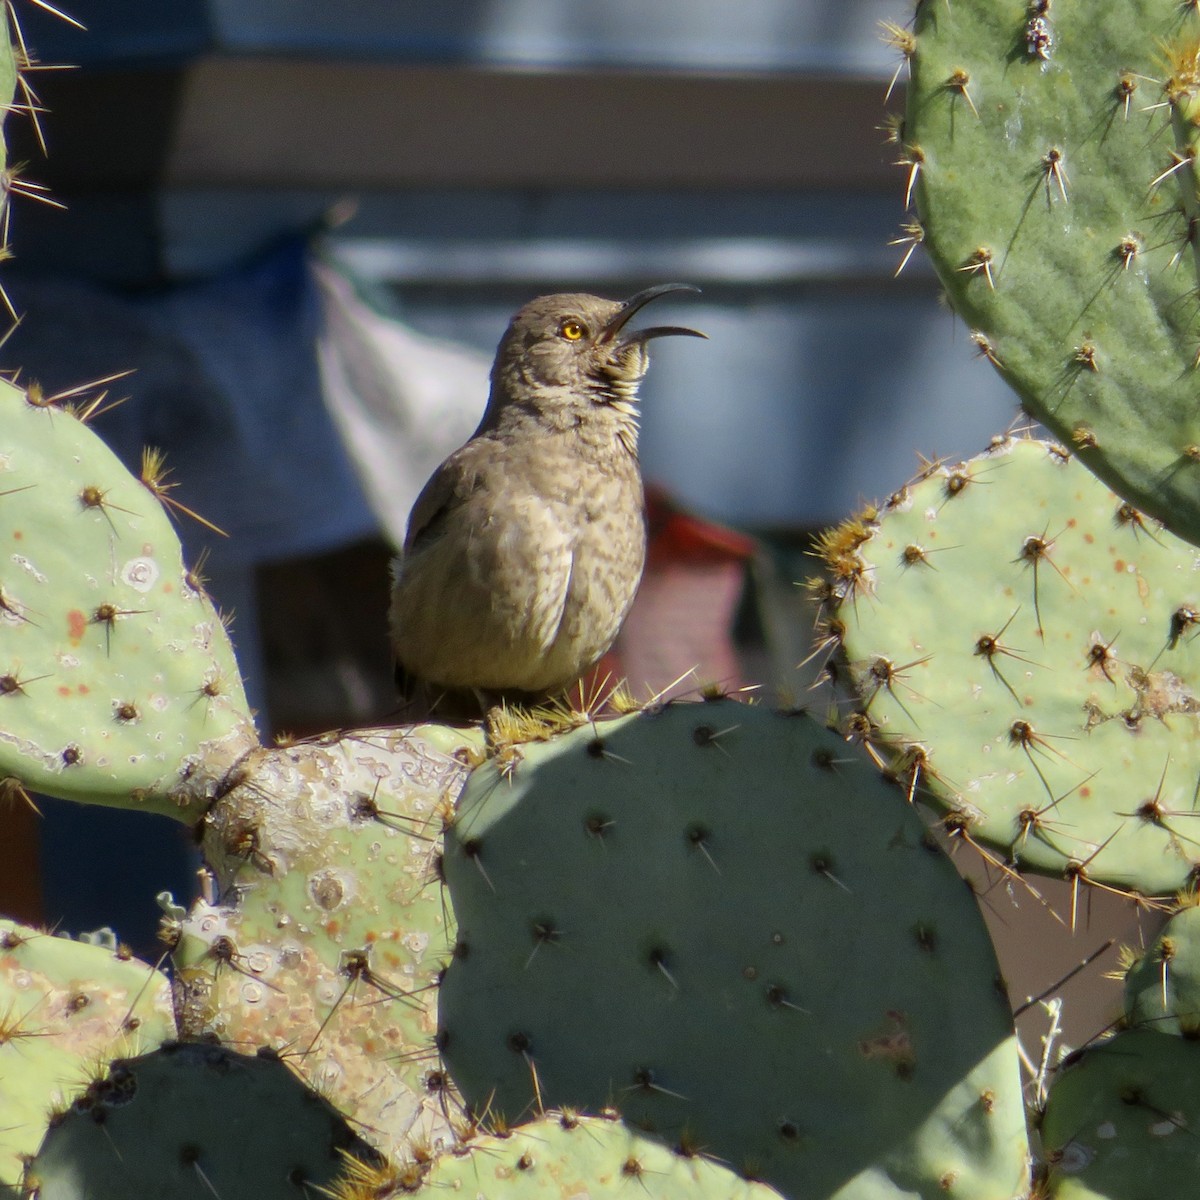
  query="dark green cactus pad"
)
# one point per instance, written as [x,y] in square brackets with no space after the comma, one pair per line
[1022,644]
[117,680]
[333,928]
[559,1155]
[190,1122]
[1052,158]
[1162,986]
[65,1006]
[723,922]
[1121,1120]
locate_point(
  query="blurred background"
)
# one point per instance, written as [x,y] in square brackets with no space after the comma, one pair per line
[304,226]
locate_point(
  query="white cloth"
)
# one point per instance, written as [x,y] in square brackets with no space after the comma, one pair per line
[400,401]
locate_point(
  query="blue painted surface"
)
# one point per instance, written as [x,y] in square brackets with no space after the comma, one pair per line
[119,31]
[823,36]
[104,867]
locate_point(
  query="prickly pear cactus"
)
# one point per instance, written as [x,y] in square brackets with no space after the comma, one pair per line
[1120,1120]
[117,680]
[331,929]
[558,1155]
[194,1120]
[1051,150]
[1023,649]
[723,922]
[8,85]
[65,1006]
[1162,986]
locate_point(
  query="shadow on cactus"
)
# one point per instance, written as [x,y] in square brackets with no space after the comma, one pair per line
[718,920]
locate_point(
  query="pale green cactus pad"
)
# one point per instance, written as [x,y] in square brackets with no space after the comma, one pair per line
[65,1008]
[722,921]
[1162,986]
[1120,1123]
[117,681]
[559,1155]
[194,1121]
[1051,151]
[8,84]
[1023,649]
[333,928]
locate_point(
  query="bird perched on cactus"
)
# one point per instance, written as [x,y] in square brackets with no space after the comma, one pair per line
[525,548]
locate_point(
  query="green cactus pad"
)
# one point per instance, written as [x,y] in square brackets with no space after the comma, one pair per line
[1023,648]
[561,1155]
[65,1007]
[190,1122]
[1120,1122]
[1053,159]
[8,84]
[1162,987]
[117,680]
[722,921]
[340,929]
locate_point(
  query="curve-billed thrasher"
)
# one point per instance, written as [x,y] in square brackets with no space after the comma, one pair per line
[525,548]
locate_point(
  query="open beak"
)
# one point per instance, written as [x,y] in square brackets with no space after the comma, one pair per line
[635,304]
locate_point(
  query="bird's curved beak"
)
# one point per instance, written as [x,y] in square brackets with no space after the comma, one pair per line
[635,304]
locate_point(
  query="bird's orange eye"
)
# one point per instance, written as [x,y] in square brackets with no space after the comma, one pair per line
[572,329]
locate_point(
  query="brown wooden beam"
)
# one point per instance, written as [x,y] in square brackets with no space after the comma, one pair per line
[288,123]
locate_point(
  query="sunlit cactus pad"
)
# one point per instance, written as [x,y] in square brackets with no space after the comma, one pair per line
[556,1156]
[65,1006]
[1051,151]
[194,1120]
[1120,1123]
[335,929]
[8,82]
[115,670]
[724,922]
[1023,649]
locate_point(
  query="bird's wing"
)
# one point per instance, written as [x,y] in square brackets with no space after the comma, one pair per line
[451,483]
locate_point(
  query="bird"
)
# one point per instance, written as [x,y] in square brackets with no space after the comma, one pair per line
[525,548]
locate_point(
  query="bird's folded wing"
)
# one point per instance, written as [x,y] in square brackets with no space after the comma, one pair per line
[446,488]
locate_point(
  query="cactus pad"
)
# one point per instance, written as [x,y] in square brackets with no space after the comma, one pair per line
[8,84]
[1052,152]
[340,929]
[719,920]
[117,679]
[1120,1121]
[198,1121]
[64,1006]
[1023,646]
[1162,987]
[560,1155]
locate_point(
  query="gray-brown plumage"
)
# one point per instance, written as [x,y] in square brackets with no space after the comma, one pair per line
[525,548]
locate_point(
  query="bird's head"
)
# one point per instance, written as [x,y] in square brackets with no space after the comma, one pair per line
[565,351]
